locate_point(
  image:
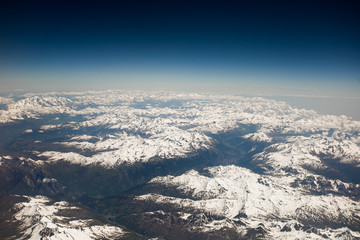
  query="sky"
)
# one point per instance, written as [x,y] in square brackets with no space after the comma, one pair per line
[285,48]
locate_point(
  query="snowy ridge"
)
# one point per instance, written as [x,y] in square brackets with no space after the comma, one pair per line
[39,220]
[125,148]
[34,107]
[6,100]
[256,194]
[168,125]
[298,152]
[232,191]
[290,191]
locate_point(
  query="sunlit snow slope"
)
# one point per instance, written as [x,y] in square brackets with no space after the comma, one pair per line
[190,165]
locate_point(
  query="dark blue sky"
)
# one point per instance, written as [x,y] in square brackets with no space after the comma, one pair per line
[260,47]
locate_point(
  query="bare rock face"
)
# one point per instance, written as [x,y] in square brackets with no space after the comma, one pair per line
[23,176]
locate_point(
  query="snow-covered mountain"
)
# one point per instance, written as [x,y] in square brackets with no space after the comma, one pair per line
[236,194]
[174,165]
[59,220]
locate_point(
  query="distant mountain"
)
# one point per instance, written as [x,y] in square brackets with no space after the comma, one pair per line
[166,165]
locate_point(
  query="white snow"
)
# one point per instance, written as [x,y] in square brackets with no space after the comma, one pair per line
[38,215]
[119,127]
[158,128]
[230,190]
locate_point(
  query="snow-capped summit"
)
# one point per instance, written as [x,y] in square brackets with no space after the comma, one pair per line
[178,165]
